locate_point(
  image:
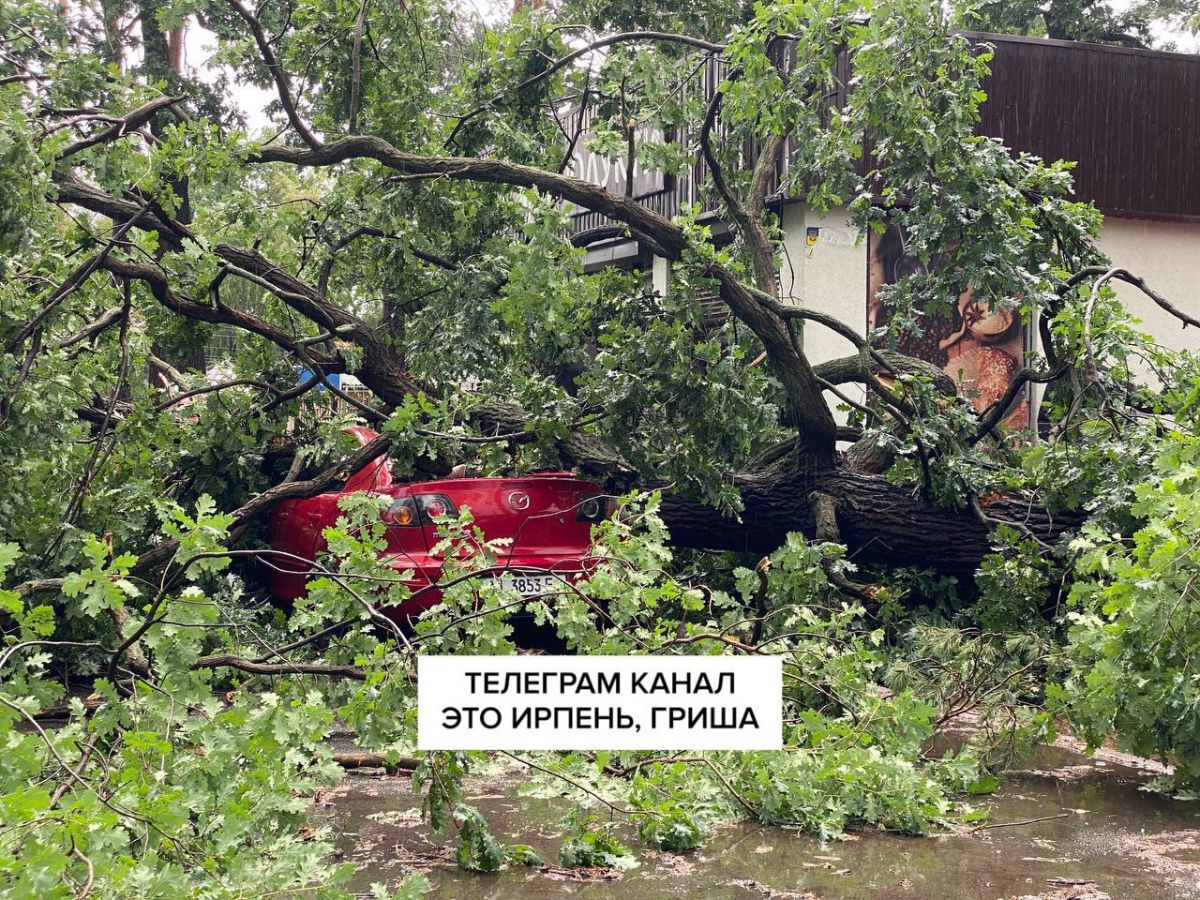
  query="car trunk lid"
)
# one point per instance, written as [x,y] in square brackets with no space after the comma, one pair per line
[548,515]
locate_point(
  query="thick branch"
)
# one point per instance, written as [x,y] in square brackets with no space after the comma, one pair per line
[825,529]
[277,74]
[761,251]
[488,171]
[851,369]
[993,415]
[77,277]
[748,214]
[228,660]
[256,506]
[817,428]
[715,172]
[382,370]
[156,280]
[1138,282]
[129,122]
[362,760]
[72,189]
[105,320]
[590,236]
[812,413]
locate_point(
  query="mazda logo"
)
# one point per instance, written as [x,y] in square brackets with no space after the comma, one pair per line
[518,500]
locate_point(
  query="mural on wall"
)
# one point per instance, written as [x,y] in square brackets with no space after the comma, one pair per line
[981,349]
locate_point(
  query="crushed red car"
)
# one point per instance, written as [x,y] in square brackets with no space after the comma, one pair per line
[547,516]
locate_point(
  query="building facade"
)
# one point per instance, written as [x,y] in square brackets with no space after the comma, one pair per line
[1130,119]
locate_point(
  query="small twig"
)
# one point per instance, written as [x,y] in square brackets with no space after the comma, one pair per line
[978,828]
[75,279]
[360,23]
[213,388]
[989,522]
[563,61]
[1134,280]
[993,414]
[101,451]
[91,874]
[1093,299]
[760,598]
[575,784]
[227,660]
[367,410]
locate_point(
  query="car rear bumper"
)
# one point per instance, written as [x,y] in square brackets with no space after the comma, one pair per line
[428,580]
[424,576]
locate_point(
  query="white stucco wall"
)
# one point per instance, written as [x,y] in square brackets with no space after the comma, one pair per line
[660,275]
[832,274]
[1167,256]
[830,277]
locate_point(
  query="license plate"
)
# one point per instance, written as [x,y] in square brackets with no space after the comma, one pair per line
[526,585]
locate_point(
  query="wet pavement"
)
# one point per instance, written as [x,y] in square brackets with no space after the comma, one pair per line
[1097,835]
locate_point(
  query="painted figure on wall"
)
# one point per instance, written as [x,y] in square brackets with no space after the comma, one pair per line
[980,348]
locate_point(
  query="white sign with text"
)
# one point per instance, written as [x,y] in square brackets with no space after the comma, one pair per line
[599,703]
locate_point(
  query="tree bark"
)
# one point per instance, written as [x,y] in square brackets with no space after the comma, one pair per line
[879,522]
[364,760]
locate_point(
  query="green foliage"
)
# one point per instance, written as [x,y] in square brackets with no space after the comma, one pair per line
[1133,624]
[172,789]
[478,850]
[854,749]
[673,828]
[1149,23]
[191,770]
[592,843]
[168,790]
[1014,584]
[20,177]
[524,855]
[104,586]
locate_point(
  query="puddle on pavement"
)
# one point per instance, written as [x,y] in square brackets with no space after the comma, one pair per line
[1114,840]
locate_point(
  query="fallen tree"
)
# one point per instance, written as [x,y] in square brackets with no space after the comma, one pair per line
[178,296]
[881,521]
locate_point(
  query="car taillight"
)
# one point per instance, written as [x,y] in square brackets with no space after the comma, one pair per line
[401,512]
[434,505]
[591,509]
[419,510]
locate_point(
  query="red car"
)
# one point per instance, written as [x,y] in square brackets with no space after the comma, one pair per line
[548,516]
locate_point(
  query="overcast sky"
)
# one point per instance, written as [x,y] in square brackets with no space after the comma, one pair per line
[201,43]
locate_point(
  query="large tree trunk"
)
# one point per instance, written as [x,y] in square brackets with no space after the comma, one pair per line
[879,522]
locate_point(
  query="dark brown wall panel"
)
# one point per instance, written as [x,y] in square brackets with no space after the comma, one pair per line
[1129,118]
